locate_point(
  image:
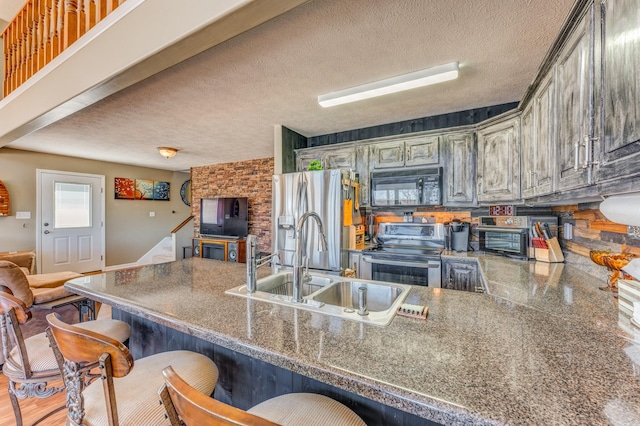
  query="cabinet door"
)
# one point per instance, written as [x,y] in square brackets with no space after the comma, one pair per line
[304,158]
[573,106]
[387,154]
[461,276]
[544,125]
[362,167]
[538,142]
[620,147]
[499,161]
[340,159]
[422,151]
[528,151]
[460,169]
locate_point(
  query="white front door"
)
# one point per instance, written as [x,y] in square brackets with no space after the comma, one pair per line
[70,222]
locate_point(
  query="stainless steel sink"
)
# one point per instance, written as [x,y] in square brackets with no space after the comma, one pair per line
[380,297]
[282,284]
[331,295]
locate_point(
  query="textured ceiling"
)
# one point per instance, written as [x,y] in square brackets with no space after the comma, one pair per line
[221,105]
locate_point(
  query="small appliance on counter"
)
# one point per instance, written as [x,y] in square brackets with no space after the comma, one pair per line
[511,235]
[457,236]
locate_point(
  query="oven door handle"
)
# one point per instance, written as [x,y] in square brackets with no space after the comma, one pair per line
[426,265]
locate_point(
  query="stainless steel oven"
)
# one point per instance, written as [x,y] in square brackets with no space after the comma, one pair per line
[407,253]
[403,269]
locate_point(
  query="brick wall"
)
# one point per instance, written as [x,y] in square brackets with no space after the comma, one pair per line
[251,179]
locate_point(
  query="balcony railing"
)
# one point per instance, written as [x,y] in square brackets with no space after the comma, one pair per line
[42,30]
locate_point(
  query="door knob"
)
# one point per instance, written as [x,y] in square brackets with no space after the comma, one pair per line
[47,232]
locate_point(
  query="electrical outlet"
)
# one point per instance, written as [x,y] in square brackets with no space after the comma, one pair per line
[567,233]
[152,214]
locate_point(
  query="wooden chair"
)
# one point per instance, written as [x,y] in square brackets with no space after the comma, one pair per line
[187,406]
[125,395]
[30,364]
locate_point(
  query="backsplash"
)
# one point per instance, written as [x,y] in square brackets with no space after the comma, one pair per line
[251,179]
[592,231]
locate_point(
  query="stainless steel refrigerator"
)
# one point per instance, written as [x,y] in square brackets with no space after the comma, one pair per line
[323,192]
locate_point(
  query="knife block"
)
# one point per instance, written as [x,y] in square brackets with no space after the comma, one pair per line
[552,254]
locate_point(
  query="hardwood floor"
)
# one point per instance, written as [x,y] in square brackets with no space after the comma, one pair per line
[32,408]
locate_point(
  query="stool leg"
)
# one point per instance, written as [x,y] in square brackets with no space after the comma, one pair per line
[15,405]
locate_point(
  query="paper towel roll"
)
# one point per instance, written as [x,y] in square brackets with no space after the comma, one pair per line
[623,209]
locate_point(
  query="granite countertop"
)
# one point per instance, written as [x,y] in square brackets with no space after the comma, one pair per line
[543,346]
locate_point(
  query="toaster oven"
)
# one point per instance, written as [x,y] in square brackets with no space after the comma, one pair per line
[510,235]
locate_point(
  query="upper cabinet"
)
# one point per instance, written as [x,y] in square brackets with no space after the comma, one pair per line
[538,141]
[459,169]
[620,140]
[574,107]
[387,155]
[418,151]
[330,157]
[499,160]
[422,151]
[348,157]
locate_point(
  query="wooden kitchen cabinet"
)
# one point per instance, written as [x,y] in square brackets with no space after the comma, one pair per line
[499,160]
[619,144]
[538,141]
[385,155]
[406,152]
[574,107]
[460,153]
[330,157]
[422,151]
[347,156]
[461,275]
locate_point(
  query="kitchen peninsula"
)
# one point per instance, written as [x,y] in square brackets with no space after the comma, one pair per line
[542,346]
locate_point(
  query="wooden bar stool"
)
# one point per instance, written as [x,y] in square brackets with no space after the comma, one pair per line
[185,405]
[125,395]
[30,364]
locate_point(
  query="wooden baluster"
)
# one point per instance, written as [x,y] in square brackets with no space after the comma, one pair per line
[56,24]
[102,10]
[91,14]
[82,18]
[6,36]
[48,31]
[60,26]
[42,33]
[33,39]
[70,25]
[23,48]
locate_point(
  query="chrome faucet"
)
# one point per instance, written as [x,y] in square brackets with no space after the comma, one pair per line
[254,262]
[298,268]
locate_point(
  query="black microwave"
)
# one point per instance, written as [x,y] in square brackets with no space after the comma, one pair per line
[407,188]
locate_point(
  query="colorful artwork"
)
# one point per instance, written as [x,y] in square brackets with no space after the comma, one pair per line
[161,190]
[125,188]
[144,189]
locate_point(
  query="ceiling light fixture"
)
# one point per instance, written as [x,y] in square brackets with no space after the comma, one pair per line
[391,85]
[167,152]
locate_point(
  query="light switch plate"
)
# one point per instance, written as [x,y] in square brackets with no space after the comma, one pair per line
[23,215]
[152,214]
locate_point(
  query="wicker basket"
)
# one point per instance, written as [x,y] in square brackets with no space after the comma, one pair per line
[5,204]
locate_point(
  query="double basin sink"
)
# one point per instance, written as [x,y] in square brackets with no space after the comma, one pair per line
[332,295]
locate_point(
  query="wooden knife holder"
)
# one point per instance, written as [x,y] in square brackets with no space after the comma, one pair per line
[552,254]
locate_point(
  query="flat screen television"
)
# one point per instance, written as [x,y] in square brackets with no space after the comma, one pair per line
[224,216]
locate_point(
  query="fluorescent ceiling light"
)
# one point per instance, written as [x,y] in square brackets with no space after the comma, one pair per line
[391,85]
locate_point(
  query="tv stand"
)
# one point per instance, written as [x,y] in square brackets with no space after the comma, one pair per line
[226,249]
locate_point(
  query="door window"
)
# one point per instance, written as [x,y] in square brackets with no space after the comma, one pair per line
[72,205]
